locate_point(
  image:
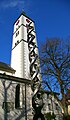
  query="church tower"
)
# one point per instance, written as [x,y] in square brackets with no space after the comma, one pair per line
[25,58]
[20,52]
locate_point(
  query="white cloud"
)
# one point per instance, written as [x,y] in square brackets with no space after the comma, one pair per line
[13,3]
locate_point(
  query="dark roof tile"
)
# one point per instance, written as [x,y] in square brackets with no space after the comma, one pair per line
[6,67]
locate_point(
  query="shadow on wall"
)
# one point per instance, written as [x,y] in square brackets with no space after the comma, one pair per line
[5,107]
[9,106]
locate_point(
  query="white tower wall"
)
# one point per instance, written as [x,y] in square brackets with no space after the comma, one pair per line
[20,52]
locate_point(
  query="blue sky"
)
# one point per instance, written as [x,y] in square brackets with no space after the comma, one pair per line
[52,19]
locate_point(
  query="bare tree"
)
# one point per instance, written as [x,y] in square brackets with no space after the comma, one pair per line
[55,67]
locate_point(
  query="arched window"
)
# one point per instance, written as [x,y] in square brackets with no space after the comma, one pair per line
[17,96]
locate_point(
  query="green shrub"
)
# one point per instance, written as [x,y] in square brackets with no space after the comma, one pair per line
[50,116]
[66,117]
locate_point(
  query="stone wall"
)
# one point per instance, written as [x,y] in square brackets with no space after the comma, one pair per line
[8,92]
[51,105]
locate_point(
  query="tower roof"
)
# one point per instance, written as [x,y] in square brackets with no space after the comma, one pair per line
[6,67]
[24,14]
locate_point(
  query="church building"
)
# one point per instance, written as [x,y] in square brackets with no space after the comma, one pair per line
[15,79]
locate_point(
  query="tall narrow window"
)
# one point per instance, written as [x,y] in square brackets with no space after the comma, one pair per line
[17,33]
[17,96]
[56,105]
[49,107]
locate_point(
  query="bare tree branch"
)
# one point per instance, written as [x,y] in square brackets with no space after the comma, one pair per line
[55,63]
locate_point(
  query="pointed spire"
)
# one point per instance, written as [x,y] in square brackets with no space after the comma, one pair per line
[23,13]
